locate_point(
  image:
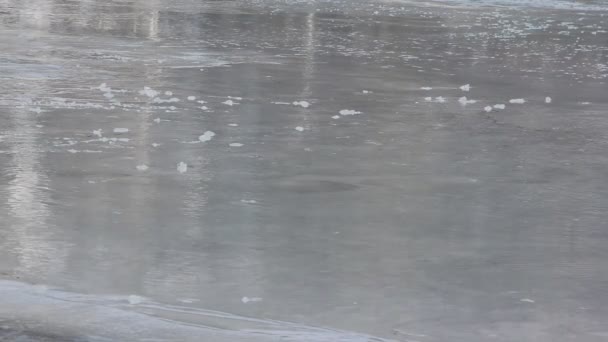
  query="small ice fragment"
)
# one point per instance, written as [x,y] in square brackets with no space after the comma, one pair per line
[108,95]
[518,101]
[228,103]
[426,88]
[488,108]
[104,87]
[191,98]
[233,125]
[440,99]
[249,201]
[121,130]
[349,112]
[204,107]
[464,101]
[500,106]
[300,129]
[72,151]
[134,300]
[235,145]
[548,99]
[303,104]
[206,136]
[527,300]
[169,93]
[97,132]
[157,120]
[188,300]
[142,167]
[148,92]
[251,300]
[465,87]
[428,99]
[366,92]
[155,145]
[335,117]
[182,167]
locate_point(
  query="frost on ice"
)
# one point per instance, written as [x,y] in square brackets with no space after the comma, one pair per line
[206,136]
[517,101]
[303,104]
[182,167]
[349,112]
[121,130]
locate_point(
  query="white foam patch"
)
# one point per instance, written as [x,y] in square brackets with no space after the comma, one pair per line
[303,104]
[517,101]
[349,112]
[182,167]
[126,318]
[207,136]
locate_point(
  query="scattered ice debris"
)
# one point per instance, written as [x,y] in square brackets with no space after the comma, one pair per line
[517,101]
[157,120]
[349,112]
[233,125]
[548,99]
[149,92]
[235,145]
[464,101]
[229,103]
[134,300]
[465,87]
[169,93]
[246,300]
[300,129]
[335,117]
[206,136]
[499,106]
[191,98]
[527,300]
[97,132]
[201,101]
[171,100]
[488,109]
[303,104]
[121,130]
[182,167]
[142,167]
[426,88]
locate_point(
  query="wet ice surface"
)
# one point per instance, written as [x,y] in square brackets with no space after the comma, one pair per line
[250,170]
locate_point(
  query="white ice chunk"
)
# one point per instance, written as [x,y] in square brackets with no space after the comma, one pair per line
[206,136]
[499,106]
[169,93]
[440,99]
[488,108]
[548,99]
[349,112]
[303,104]
[191,98]
[300,129]
[142,167]
[97,132]
[228,102]
[149,92]
[518,101]
[428,99]
[527,300]
[182,167]
[157,120]
[134,300]
[426,88]
[335,117]
[251,300]
[121,130]
[464,101]
[465,87]
[236,145]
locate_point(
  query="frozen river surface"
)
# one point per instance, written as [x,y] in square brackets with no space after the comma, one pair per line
[309,171]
